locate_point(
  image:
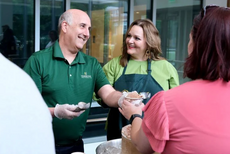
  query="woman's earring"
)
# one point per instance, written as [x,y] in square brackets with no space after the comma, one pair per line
[148,54]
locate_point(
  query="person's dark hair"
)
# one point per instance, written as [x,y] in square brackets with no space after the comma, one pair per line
[6,26]
[53,35]
[152,37]
[210,57]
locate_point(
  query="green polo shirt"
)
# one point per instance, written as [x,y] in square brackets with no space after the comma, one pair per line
[62,83]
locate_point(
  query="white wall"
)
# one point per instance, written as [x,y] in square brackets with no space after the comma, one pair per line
[217,2]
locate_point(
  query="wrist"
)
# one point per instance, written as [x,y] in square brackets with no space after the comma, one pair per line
[133,117]
[51,109]
[56,111]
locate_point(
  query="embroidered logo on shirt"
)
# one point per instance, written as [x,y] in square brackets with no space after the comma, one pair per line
[85,75]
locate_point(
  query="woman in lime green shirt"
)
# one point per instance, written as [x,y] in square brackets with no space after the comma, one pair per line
[140,68]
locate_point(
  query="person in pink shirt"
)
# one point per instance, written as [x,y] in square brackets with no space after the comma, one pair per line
[192,118]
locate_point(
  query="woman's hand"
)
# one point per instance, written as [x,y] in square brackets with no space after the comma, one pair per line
[128,109]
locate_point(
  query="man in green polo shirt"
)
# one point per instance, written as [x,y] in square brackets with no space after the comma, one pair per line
[65,76]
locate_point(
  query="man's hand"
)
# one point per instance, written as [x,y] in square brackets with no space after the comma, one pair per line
[66,111]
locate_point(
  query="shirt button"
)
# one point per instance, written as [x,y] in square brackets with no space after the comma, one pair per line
[70,75]
[69,66]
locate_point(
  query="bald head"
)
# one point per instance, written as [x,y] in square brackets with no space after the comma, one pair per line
[69,15]
[74,30]
[77,12]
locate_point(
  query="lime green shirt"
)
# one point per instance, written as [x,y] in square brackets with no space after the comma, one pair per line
[162,71]
[62,83]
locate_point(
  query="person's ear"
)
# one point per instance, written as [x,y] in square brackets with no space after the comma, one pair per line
[64,26]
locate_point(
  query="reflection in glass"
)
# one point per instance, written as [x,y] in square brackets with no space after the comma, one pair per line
[142,9]
[18,15]
[50,12]
[109,23]
[174,22]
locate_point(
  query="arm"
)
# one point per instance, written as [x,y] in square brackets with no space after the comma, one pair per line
[32,69]
[174,78]
[138,137]
[109,70]
[109,95]
[105,79]
[35,70]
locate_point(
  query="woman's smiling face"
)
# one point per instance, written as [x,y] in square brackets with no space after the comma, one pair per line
[136,43]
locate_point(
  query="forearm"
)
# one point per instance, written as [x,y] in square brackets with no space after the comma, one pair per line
[109,95]
[138,137]
[112,99]
[136,125]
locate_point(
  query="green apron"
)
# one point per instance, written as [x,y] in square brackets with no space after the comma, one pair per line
[130,82]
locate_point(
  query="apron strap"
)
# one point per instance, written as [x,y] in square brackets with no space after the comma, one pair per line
[149,67]
[149,70]
[123,73]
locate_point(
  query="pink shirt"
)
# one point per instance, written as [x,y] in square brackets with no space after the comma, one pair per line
[191,118]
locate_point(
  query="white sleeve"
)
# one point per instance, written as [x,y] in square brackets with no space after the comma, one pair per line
[26,123]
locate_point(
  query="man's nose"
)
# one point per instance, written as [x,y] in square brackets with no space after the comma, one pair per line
[87,33]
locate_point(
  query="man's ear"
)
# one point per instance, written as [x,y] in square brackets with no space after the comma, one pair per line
[64,26]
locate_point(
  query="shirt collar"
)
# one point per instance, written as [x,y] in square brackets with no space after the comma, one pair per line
[79,58]
[57,50]
[58,54]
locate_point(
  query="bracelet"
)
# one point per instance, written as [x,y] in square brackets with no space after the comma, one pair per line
[133,117]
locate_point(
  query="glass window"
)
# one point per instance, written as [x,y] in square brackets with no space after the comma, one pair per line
[174,22]
[142,9]
[109,24]
[50,12]
[17,30]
